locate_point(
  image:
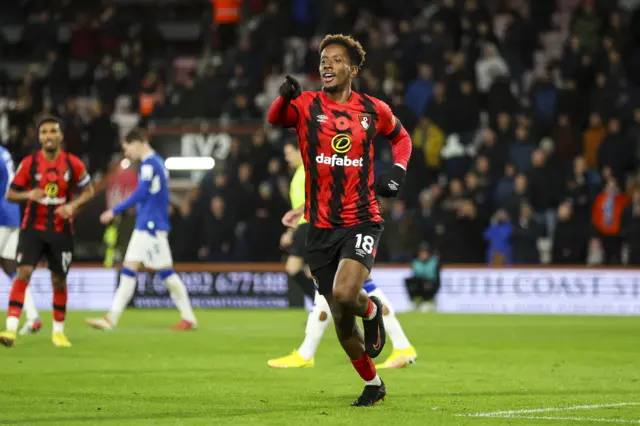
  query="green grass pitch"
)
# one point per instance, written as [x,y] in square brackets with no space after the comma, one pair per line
[144,374]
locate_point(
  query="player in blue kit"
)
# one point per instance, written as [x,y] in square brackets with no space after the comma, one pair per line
[9,230]
[149,244]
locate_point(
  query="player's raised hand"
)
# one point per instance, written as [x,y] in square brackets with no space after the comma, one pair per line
[36,194]
[291,88]
[292,217]
[65,211]
[389,183]
[106,217]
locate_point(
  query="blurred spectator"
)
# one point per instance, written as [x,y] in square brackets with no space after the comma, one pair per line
[464,108]
[582,189]
[542,190]
[521,150]
[592,138]
[466,234]
[633,135]
[424,283]
[569,238]
[455,156]
[41,34]
[264,227]
[498,237]
[244,192]
[488,91]
[226,16]
[240,109]
[565,139]
[586,25]
[429,140]
[106,81]
[399,224]
[524,237]
[478,194]
[187,100]
[57,78]
[489,67]
[615,152]
[608,208]
[630,231]
[425,217]
[436,108]
[420,90]
[544,96]
[84,37]
[520,195]
[505,186]
[482,169]
[103,138]
[217,237]
[150,91]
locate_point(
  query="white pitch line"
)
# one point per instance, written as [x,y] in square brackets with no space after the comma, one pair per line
[574,419]
[545,410]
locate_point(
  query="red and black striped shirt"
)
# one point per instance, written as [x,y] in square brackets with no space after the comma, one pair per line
[336,142]
[58,179]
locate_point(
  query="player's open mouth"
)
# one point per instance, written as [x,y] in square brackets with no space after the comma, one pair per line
[328,77]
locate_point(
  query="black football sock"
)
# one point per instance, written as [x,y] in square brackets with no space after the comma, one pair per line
[305,283]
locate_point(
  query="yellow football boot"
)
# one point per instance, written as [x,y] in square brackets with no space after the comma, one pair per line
[8,338]
[291,361]
[60,340]
[400,358]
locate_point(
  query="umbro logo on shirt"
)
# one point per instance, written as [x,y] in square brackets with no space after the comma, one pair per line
[322,118]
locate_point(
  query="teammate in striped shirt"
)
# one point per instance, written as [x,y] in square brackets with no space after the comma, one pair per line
[319,318]
[47,181]
[336,128]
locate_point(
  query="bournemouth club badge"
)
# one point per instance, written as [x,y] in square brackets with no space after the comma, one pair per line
[365,120]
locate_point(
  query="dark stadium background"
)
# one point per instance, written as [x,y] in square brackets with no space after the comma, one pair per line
[531,87]
[525,120]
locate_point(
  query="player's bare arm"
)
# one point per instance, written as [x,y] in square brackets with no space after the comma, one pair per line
[15,196]
[106,217]
[292,217]
[69,210]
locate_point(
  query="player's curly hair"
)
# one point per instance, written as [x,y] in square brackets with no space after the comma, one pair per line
[354,48]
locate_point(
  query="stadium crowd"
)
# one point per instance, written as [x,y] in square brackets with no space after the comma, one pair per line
[524,115]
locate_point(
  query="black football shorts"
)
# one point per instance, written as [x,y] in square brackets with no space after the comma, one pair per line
[299,245]
[55,247]
[327,247]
